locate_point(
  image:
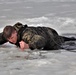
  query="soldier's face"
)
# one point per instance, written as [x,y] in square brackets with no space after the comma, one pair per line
[13,37]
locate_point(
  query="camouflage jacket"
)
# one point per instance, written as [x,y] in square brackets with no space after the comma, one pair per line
[39,37]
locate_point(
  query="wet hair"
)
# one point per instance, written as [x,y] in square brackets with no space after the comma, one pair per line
[7,31]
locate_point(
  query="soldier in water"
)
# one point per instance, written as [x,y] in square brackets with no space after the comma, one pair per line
[26,37]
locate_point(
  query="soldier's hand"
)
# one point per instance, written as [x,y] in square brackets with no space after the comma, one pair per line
[23,45]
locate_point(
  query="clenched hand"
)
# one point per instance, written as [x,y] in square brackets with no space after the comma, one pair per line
[23,45]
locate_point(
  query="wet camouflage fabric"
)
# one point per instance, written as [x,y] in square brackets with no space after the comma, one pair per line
[40,38]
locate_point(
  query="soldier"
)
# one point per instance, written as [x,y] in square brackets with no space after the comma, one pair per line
[25,37]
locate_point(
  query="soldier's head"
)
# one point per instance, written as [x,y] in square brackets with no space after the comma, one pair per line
[10,33]
[18,25]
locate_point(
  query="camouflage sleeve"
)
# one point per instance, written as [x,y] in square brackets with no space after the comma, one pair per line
[34,41]
[2,39]
[37,42]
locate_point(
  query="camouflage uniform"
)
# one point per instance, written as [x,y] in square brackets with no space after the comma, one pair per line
[39,37]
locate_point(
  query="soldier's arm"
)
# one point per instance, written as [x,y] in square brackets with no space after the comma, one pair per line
[37,42]
[34,41]
[2,39]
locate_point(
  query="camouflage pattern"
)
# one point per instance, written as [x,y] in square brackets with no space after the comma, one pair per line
[40,38]
[17,26]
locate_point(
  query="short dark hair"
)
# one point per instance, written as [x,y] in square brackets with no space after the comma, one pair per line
[7,31]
